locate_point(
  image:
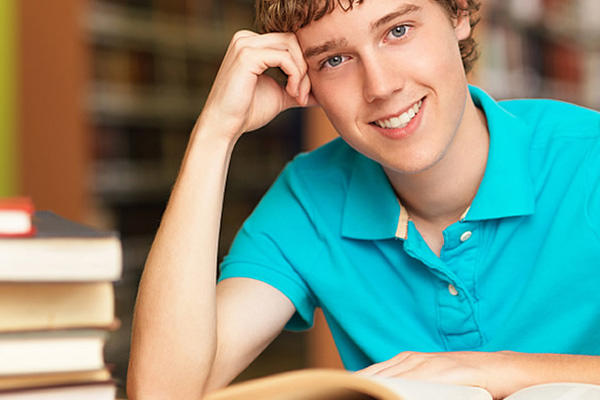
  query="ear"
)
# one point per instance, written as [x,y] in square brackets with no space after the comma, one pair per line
[462,23]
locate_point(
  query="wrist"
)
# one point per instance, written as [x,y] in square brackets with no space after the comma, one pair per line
[212,123]
[511,372]
[211,132]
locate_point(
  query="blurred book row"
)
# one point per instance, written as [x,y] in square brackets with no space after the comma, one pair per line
[543,48]
[56,305]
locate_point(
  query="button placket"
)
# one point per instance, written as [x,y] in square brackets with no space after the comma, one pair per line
[457,321]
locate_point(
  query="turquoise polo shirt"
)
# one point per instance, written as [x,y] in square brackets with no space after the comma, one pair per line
[519,271]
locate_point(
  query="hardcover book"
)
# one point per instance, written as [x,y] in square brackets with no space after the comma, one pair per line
[15,217]
[40,352]
[60,251]
[28,306]
[80,391]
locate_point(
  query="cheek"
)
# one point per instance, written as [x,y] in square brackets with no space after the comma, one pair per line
[335,98]
[440,57]
[317,88]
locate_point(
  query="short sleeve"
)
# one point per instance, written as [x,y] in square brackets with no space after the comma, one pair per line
[274,243]
[593,183]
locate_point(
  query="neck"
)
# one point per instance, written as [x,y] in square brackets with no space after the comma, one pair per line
[442,193]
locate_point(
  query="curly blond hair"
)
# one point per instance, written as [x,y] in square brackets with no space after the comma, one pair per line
[291,15]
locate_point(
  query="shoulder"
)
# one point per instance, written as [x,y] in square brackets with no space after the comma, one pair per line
[565,149]
[331,159]
[311,184]
[552,119]
[324,172]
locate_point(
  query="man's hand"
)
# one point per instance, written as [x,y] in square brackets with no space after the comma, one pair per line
[501,373]
[491,371]
[243,98]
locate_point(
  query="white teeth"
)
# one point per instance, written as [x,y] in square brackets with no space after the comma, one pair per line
[402,120]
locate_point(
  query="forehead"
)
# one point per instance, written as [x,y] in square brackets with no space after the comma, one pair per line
[341,12]
[364,18]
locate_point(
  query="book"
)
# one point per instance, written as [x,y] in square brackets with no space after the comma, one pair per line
[323,384]
[81,391]
[28,306]
[40,352]
[32,381]
[61,251]
[15,216]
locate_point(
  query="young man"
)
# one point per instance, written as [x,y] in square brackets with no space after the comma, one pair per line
[446,237]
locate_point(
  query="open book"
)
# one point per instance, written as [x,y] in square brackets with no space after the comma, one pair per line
[322,384]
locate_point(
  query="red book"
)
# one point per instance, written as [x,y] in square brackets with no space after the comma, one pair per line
[15,217]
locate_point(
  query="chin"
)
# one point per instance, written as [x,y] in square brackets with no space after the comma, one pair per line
[412,166]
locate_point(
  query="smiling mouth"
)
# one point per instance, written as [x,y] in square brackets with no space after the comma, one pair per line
[401,120]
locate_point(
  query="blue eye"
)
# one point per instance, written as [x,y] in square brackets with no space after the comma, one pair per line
[399,31]
[334,61]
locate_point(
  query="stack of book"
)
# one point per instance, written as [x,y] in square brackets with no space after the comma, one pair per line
[56,305]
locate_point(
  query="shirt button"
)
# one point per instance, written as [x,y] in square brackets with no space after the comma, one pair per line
[452,290]
[466,236]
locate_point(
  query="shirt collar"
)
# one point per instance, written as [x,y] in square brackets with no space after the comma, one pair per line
[506,189]
[372,210]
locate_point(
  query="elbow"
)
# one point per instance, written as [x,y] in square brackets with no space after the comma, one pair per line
[146,384]
[134,386]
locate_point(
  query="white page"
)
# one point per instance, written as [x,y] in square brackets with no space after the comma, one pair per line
[558,391]
[417,390]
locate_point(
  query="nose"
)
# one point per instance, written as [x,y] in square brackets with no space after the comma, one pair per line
[380,81]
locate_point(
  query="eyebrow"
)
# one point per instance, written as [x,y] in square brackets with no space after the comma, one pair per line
[325,47]
[403,10]
[332,44]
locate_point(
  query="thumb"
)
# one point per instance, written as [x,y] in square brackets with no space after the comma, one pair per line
[305,99]
[294,102]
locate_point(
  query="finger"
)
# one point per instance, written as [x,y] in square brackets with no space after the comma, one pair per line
[399,359]
[304,90]
[374,369]
[280,41]
[296,52]
[277,41]
[263,59]
[240,36]
[292,102]
[369,371]
[311,101]
[402,370]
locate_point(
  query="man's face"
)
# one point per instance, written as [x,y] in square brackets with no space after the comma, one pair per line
[389,75]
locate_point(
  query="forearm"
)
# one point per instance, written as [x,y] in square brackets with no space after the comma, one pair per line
[532,369]
[174,341]
[174,330]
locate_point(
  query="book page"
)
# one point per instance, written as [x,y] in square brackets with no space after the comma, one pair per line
[343,385]
[410,389]
[558,391]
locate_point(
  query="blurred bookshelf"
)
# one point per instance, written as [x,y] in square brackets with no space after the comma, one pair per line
[146,67]
[154,61]
[152,65]
[541,48]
